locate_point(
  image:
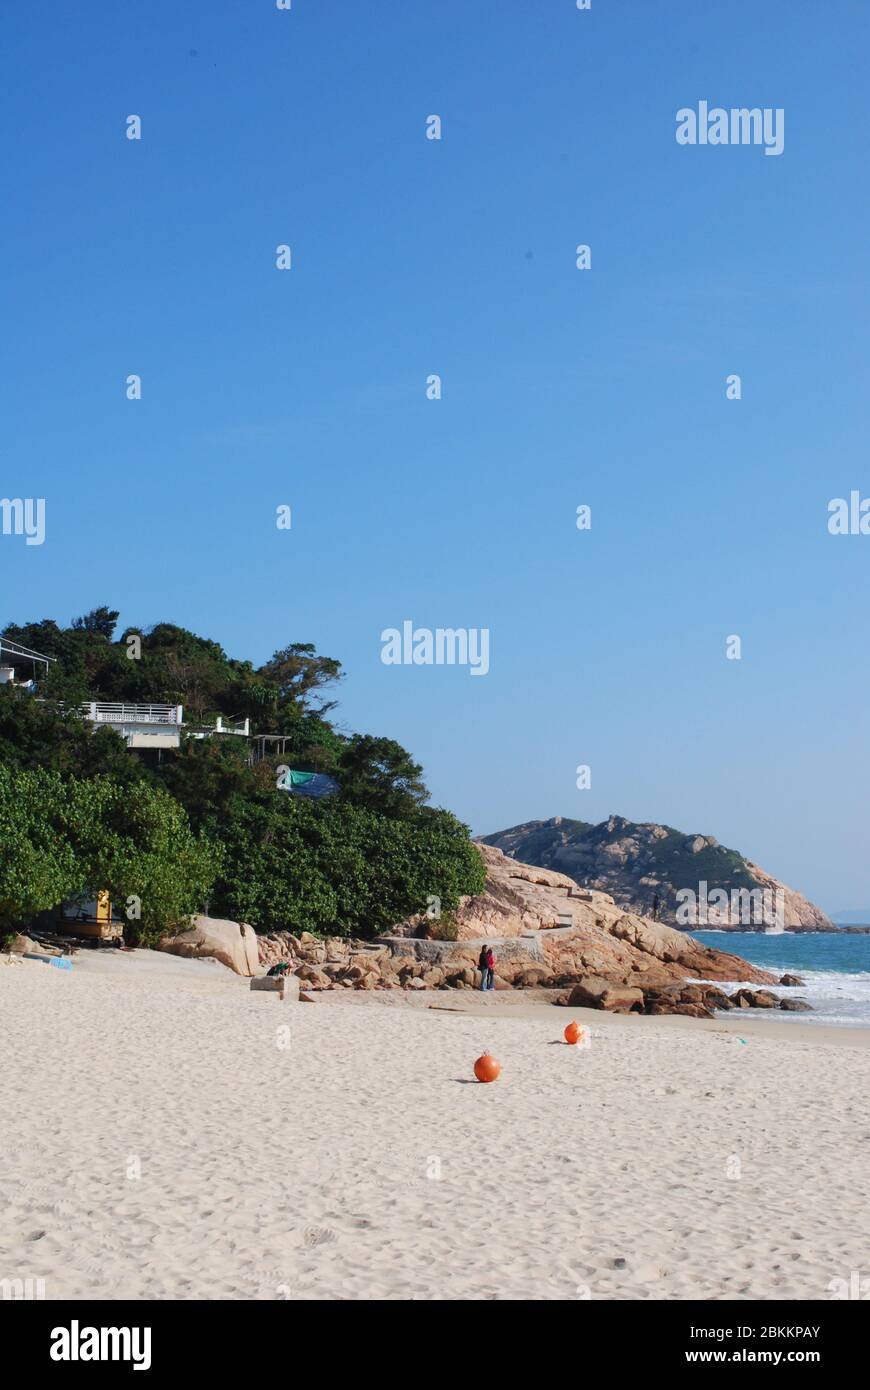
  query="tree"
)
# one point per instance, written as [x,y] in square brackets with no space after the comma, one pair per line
[206,775]
[100,620]
[297,673]
[39,866]
[379,774]
[36,734]
[63,836]
[137,843]
[355,862]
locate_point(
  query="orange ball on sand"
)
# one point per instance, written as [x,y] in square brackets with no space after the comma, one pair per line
[573,1033]
[486,1068]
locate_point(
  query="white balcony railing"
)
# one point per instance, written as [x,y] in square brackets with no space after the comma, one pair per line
[100,713]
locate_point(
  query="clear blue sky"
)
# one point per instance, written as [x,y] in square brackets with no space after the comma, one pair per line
[561,387]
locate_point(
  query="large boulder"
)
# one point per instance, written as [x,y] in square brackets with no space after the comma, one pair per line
[234,944]
[20,944]
[587,992]
[592,993]
[755,999]
[688,1010]
[313,976]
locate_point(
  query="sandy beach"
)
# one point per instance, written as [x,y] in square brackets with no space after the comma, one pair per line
[168,1134]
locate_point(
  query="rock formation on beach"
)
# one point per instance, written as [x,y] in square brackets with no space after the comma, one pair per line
[234,944]
[637,863]
[545,931]
[600,938]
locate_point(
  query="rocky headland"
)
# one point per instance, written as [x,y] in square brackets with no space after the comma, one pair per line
[643,867]
[547,933]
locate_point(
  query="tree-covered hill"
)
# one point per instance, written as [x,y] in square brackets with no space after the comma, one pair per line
[352,863]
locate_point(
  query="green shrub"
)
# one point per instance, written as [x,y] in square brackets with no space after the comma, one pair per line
[64,836]
[331,867]
[39,865]
[443,928]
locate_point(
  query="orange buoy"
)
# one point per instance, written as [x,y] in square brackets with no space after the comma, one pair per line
[574,1033]
[486,1068]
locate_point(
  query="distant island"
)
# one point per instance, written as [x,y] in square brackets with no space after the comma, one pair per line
[653,869]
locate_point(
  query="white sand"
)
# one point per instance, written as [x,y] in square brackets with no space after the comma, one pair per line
[303,1172]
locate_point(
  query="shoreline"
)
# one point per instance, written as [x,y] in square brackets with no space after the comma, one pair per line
[519,1004]
[529,1003]
[789,933]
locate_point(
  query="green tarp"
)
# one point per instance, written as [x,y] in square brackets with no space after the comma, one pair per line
[301,779]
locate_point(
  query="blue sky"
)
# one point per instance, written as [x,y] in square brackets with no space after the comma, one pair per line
[560,387]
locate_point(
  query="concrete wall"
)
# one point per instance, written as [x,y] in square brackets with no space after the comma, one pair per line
[527,948]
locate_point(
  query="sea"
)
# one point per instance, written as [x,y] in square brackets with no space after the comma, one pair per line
[835,966]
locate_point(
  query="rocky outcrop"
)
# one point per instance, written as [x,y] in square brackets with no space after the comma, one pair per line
[593,993]
[544,930]
[637,864]
[798,913]
[234,944]
[517,898]
[584,932]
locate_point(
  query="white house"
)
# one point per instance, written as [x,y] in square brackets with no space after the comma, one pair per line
[155,726]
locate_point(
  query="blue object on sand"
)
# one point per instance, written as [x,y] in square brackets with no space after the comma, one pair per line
[61,962]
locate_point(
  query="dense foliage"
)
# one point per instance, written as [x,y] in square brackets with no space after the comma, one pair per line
[65,836]
[202,824]
[38,861]
[333,867]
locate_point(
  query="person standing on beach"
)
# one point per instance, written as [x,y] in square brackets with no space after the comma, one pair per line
[483,964]
[486,966]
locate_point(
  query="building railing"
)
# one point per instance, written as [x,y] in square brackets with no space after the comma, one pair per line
[100,713]
[171,716]
[241,727]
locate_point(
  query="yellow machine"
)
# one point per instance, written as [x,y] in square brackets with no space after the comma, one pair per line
[91,915]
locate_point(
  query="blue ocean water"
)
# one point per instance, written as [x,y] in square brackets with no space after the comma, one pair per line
[835,966]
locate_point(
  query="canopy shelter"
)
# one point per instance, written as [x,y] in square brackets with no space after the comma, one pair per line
[12,654]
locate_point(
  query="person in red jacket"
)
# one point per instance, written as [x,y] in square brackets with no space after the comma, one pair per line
[490,969]
[486,966]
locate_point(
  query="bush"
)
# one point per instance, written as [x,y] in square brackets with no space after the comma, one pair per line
[39,865]
[137,842]
[331,867]
[443,928]
[60,837]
